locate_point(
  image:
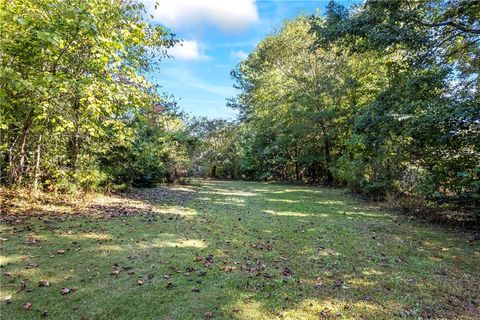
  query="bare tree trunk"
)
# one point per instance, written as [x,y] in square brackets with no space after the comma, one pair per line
[74,138]
[327,150]
[297,168]
[10,157]
[19,170]
[37,163]
[234,170]
[214,171]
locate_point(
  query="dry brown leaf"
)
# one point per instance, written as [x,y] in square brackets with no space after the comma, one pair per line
[43,283]
[228,268]
[67,290]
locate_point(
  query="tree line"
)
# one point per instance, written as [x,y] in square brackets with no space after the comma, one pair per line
[381,98]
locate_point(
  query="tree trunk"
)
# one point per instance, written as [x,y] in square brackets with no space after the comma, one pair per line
[74,138]
[37,164]
[297,168]
[326,150]
[18,173]
[11,159]
[213,173]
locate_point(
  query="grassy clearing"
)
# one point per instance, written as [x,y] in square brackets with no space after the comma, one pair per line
[234,250]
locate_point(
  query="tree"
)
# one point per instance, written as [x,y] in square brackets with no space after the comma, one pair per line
[303,99]
[421,131]
[218,153]
[72,79]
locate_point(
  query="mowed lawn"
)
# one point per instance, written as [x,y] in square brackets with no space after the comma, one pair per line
[233,250]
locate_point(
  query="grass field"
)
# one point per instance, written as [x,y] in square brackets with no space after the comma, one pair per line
[232,250]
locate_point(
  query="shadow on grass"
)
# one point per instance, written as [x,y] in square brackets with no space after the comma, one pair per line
[243,251]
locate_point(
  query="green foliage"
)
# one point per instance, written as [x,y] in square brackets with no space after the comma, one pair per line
[159,152]
[298,102]
[218,152]
[73,91]
[382,98]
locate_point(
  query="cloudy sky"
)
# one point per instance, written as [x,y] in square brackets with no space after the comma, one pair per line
[216,35]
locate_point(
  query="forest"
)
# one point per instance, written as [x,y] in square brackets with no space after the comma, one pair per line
[341,116]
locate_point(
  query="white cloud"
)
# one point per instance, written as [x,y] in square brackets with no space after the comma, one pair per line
[230,15]
[240,54]
[187,50]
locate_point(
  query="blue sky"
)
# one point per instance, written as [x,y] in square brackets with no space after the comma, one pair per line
[216,35]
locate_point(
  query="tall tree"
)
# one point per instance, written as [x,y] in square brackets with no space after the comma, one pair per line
[72,75]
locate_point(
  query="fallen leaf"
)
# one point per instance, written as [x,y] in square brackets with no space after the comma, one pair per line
[27,306]
[7,299]
[140,282]
[60,251]
[32,241]
[208,314]
[208,260]
[341,284]
[228,269]
[67,290]
[287,272]
[23,285]
[43,283]
[31,265]
[115,272]
[8,274]
[325,313]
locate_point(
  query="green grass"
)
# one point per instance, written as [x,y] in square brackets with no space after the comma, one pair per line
[278,251]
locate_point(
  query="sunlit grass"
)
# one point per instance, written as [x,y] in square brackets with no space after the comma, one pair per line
[237,250]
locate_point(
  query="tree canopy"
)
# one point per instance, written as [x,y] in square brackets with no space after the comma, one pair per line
[382,98]
[73,93]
